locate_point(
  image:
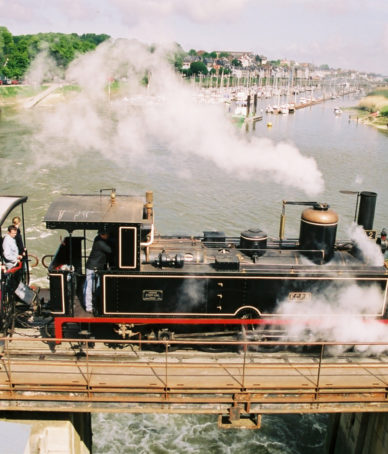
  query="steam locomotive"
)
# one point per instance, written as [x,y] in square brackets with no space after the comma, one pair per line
[161,287]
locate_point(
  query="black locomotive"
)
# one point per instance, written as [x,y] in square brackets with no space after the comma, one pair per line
[161,286]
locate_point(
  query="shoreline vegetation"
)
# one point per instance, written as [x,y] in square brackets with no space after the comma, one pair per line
[372,109]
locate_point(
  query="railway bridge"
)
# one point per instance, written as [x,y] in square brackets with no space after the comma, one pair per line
[237,381]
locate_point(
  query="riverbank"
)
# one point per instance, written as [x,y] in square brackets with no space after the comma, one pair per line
[372,109]
[25,96]
[377,122]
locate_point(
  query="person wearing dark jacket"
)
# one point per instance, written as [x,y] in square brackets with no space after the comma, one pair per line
[98,259]
[16,221]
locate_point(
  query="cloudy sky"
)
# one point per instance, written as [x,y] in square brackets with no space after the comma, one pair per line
[351,34]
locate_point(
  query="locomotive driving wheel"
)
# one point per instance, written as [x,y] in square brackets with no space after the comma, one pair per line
[250,331]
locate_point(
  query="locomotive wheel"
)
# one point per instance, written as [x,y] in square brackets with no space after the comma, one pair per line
[250,331]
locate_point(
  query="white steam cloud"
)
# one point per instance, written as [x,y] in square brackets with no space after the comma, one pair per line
[342,312]
[127,126]
[349,315]
[43,68]
[371,252]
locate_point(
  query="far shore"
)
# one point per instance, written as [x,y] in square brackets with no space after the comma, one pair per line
[16,97]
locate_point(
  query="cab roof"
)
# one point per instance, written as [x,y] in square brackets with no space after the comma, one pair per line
[8,203]
[81,211]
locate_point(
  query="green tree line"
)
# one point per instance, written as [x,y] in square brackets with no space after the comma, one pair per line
[17,52]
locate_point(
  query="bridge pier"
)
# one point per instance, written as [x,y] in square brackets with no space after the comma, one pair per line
[357,433]
[53,432]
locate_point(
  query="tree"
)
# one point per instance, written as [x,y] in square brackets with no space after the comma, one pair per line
[94,39]
[197,67]
[6,49]
[212,55]
[236,62]
[17,52]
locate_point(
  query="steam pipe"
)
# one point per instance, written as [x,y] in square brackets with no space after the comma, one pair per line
[283,215]
[151,240]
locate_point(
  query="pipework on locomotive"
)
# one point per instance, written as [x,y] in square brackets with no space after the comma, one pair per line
[162,286]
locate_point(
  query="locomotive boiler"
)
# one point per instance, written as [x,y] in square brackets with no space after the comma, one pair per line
[163,286]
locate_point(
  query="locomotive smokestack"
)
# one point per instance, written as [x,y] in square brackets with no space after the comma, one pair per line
[366,210]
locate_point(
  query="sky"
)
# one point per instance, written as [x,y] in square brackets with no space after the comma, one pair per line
[348,34]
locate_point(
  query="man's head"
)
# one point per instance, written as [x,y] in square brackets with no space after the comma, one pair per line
[103,234]
[12,231]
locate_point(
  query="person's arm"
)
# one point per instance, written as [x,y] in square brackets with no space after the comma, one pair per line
[105,247]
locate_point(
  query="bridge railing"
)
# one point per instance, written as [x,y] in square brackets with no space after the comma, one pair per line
[197,376]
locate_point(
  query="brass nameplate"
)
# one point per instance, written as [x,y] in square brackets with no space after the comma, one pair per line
[152,295]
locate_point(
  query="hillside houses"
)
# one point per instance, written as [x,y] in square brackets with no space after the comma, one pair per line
[243,64]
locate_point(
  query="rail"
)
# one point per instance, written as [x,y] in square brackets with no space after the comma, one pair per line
[192,376]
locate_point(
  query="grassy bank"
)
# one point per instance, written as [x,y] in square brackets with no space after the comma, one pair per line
[373,108]
[15,96]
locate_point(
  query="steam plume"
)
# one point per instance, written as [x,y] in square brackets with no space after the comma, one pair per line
[168,116]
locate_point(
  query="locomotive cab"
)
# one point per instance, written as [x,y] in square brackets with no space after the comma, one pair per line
[127,219]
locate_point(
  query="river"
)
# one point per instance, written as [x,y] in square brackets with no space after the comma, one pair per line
[194,192]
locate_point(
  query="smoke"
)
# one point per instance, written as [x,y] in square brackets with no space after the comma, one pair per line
[348,315]
[43,68]
[370,251]
[125,126]
[346,310]
[191,296]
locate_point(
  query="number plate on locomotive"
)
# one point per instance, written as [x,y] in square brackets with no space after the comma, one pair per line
[299,296]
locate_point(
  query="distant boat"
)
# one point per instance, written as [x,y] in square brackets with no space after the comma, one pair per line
[284,109]
[240,109]
[337,111]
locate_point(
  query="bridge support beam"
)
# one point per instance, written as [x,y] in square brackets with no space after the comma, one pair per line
[67,433]
[357,433]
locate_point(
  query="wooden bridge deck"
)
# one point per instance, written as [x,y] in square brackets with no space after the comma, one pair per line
[180,377]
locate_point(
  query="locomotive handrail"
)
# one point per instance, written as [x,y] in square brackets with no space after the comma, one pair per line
[14,269]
